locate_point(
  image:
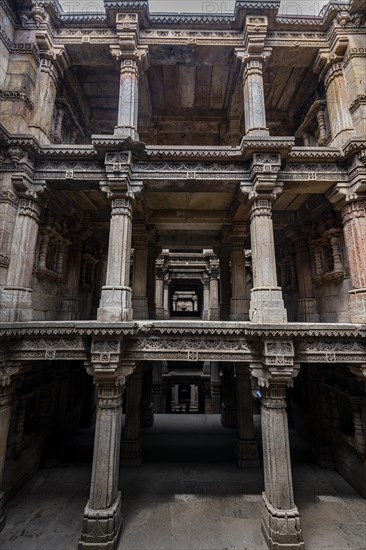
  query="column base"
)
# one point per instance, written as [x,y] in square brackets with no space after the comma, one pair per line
[131,452]
[257,132]
[16,304]
[228,416]
[126,132]
[160,313]
[267,306]
[307,310]
[147,416]
[140,308]
[213,314]
[246,453]
[239,309]
[357,305]
[101,528]
[281,528]
[115,304]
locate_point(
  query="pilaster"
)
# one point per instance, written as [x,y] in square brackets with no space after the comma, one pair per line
[239,302]
[7,397]
[306,303]
[225,290]
[354,229]
[16,296]
[213,312]
[139,278]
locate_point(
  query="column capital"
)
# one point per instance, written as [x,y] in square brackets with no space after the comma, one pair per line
[353,209]
[133,61]
[277,365]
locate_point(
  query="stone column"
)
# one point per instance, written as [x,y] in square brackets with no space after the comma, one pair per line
[206,298]
[70,301]
[239,303]
[213,312]
[8,211]
[102,515]
[246,445]
[16,296]
[280,516]
[159,289]
[157,387]
[266,302]
[147,407]
[338,109]
[225,289]
[128,99]
[44,102]
[254,104]
[321,444]
[166,298]
[6,403]
[151,277]
[131,443]
[306,303]
[215,387]
[115,302]
[139,278]
[354,224]
[228,408]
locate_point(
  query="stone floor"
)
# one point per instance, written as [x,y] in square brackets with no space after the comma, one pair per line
[188,495]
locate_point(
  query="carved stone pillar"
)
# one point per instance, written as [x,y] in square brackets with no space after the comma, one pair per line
[128,99]
[254,104]
[228,408]
[338,110]
[215,387]
[354,223]
[102,515]
[239,303]
[159,289]
[280,516]
[213,312]
[44,101]
[225,290]
[139,279]
[246,444]
[206,298]
[147,406]
[7,388]
[306,303]
[266,302]
[131,454]
[151,277]
[321,444]
[70,301]
[16,296]
[166,298]
[115,302]
[8,211]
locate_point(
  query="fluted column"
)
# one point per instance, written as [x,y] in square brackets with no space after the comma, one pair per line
[239,303]
[115,302]
[306,303]
[246,444]
[254,103]
[7,389]
[354,224]
[280,516]
[102,515]
[228,408]
[338,105]
[128,99]
[139,278]
[266,302]
[131,454]
[16,296]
